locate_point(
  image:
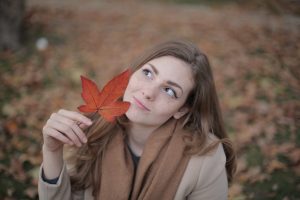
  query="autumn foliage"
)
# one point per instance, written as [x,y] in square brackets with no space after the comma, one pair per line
[254,55]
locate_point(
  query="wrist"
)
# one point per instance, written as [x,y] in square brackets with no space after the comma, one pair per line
[52,162]
[52,151]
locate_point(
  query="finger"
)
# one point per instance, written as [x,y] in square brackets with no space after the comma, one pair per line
[66,130]
[75,116]
[57,135]
[82,126]
[59,118]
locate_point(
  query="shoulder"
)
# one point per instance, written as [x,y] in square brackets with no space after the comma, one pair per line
[203,171]
[214,160]
[208,167]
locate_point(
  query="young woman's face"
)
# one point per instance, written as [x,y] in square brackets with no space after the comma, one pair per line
[158,91]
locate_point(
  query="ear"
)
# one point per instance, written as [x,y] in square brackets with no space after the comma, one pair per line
[181,112]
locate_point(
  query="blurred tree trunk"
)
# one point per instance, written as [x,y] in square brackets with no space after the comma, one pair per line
[11,15]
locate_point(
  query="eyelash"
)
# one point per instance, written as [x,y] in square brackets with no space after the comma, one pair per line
[175,95]
[146,71]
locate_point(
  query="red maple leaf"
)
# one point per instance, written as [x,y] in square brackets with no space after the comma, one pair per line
[105,102]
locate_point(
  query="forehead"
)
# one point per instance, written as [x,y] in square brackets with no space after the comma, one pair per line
[173,69]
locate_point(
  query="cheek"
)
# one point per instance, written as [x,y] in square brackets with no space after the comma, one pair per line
[129,86]
[170,106]
[132,86]
[166,107]
[135,82]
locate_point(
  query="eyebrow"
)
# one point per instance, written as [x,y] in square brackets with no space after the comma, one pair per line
[169,82]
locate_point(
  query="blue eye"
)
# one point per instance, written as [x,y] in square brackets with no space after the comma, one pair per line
[147,72]
[171,92]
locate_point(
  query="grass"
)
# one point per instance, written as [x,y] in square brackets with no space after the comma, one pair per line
[280,185]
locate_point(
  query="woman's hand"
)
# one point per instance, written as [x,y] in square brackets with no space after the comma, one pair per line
[65,127]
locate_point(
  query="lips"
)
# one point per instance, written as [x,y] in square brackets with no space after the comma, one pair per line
[140,104]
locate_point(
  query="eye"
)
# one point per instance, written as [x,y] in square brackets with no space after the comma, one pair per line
[171,92]
[147,72]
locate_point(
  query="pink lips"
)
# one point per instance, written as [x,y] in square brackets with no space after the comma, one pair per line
[139,104]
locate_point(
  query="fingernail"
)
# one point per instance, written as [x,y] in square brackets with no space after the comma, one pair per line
[84,140]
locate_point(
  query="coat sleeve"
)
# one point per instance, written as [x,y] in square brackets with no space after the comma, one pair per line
[59,191]
[212,180]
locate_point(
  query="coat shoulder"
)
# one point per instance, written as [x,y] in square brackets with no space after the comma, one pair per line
[202,170]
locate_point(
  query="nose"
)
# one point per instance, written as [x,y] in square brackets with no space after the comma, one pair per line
[149,93]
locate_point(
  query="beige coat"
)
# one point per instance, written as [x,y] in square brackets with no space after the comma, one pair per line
[204,179]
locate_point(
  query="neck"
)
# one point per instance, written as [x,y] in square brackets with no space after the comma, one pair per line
[138,136]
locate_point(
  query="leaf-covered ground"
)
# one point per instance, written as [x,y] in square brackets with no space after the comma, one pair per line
[254,55]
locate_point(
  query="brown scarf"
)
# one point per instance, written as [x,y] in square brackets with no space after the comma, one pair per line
[159,171]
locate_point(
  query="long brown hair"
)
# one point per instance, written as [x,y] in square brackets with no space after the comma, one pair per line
[204,118]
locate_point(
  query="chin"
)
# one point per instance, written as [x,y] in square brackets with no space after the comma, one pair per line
[134,117]
[143,120]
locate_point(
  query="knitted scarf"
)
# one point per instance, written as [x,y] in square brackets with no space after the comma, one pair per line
[159,171]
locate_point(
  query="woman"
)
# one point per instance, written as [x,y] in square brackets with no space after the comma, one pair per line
[170,144]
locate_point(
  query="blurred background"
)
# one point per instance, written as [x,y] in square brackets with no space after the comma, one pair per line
[253,47]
